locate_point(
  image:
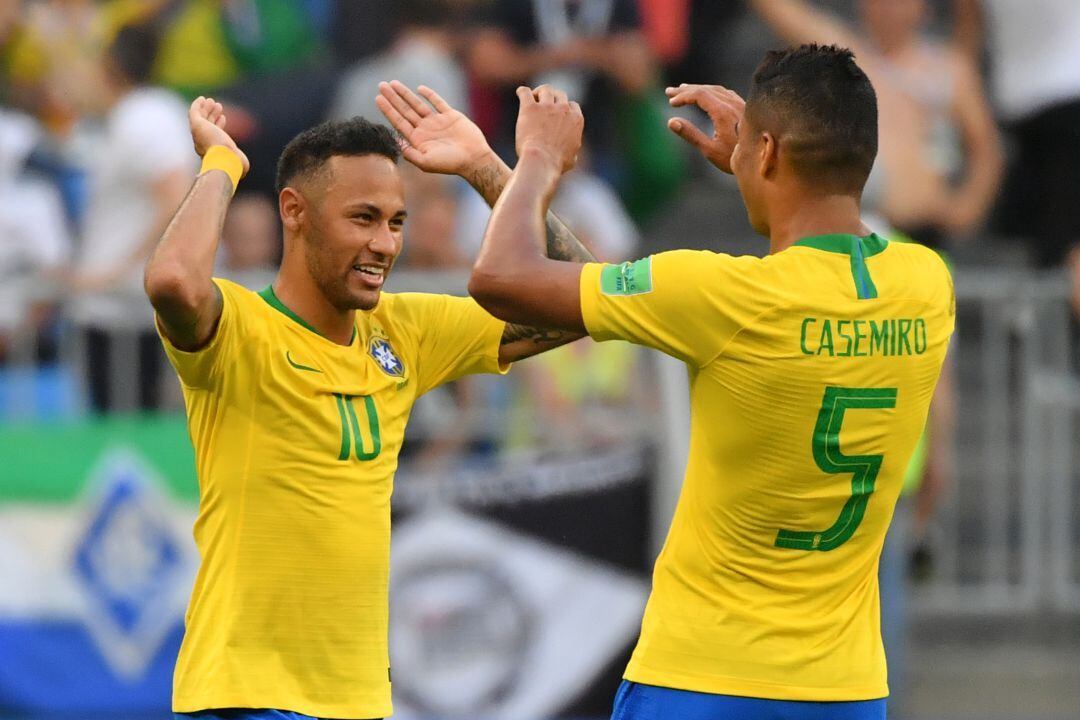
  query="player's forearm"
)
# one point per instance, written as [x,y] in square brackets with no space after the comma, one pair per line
[489,179]
[168,197]
[980,188]
[516,232]
[513,250]
[523,340]
[178,275]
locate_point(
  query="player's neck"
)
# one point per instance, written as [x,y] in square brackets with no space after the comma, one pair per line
[811,217]
[299,293]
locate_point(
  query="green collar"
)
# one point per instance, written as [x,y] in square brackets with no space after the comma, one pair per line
[867,246]
[273,301]
[857,249]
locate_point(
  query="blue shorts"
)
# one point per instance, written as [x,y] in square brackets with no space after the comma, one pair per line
[242,714]
[647,702]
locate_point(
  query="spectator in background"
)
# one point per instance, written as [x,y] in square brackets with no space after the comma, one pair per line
[55,61]
[138,179]
[34,238]
[595,51]
[923,186]
[350,36]
[1036,79]
[423,53]
[250,242]
[207,45]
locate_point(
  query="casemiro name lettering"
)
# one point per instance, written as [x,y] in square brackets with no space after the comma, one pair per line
[890,337]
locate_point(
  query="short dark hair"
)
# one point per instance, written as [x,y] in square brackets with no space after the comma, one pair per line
[133,52]
[822,109]
[309,150]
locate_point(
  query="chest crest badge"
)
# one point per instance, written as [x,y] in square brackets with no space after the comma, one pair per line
[384,356]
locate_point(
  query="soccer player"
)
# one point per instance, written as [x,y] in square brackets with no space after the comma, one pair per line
[811,371]
[297,399]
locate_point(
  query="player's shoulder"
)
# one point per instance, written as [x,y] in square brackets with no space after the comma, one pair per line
[916,258]
[916,272]
[244,301]
[417,309]
[705,262]
[236,290]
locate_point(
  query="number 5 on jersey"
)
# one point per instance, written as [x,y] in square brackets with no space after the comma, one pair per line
[827,455]
[351,437]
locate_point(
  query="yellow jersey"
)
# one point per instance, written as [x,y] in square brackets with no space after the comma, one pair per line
[296,443]
[811,373]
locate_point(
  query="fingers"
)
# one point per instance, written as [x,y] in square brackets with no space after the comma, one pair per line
[688,132]
[435,99]
[525,96]
[399,103]
[208,109]
[397,120]
[707,97]
[421,108]
[200,108]
[548,95]
[216,113]
[413,155]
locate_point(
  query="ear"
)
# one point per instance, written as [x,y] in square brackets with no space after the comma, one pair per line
[291,207]
[769,157]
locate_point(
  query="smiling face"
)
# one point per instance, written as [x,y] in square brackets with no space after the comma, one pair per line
[351,228]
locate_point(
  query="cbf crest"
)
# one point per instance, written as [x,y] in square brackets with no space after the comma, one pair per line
[383,354]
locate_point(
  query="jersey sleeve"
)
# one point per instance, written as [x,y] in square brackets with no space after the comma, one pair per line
[456,337]
[204,367]
[685,303]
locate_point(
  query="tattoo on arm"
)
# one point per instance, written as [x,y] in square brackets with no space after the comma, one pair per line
[514,333]
[562,244]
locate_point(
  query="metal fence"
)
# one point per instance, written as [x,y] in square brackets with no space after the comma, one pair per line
[1007,529]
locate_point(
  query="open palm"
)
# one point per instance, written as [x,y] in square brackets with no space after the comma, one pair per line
[439,138]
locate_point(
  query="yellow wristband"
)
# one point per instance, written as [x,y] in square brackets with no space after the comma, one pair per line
[219,157]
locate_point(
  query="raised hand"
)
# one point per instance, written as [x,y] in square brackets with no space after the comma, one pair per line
[207,119]
[550,123]
[438,138]
[725,109]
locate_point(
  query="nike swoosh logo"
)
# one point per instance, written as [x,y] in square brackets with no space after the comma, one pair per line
[298,366]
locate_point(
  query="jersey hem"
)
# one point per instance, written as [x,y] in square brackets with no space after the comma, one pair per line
[740,687]
[378,709]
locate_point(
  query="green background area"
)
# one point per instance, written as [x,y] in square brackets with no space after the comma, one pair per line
[52,462]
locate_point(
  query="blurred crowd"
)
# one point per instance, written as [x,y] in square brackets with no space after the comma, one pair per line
[980,122]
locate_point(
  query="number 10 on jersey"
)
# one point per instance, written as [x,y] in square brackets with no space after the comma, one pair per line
[351,438]
[827,455]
